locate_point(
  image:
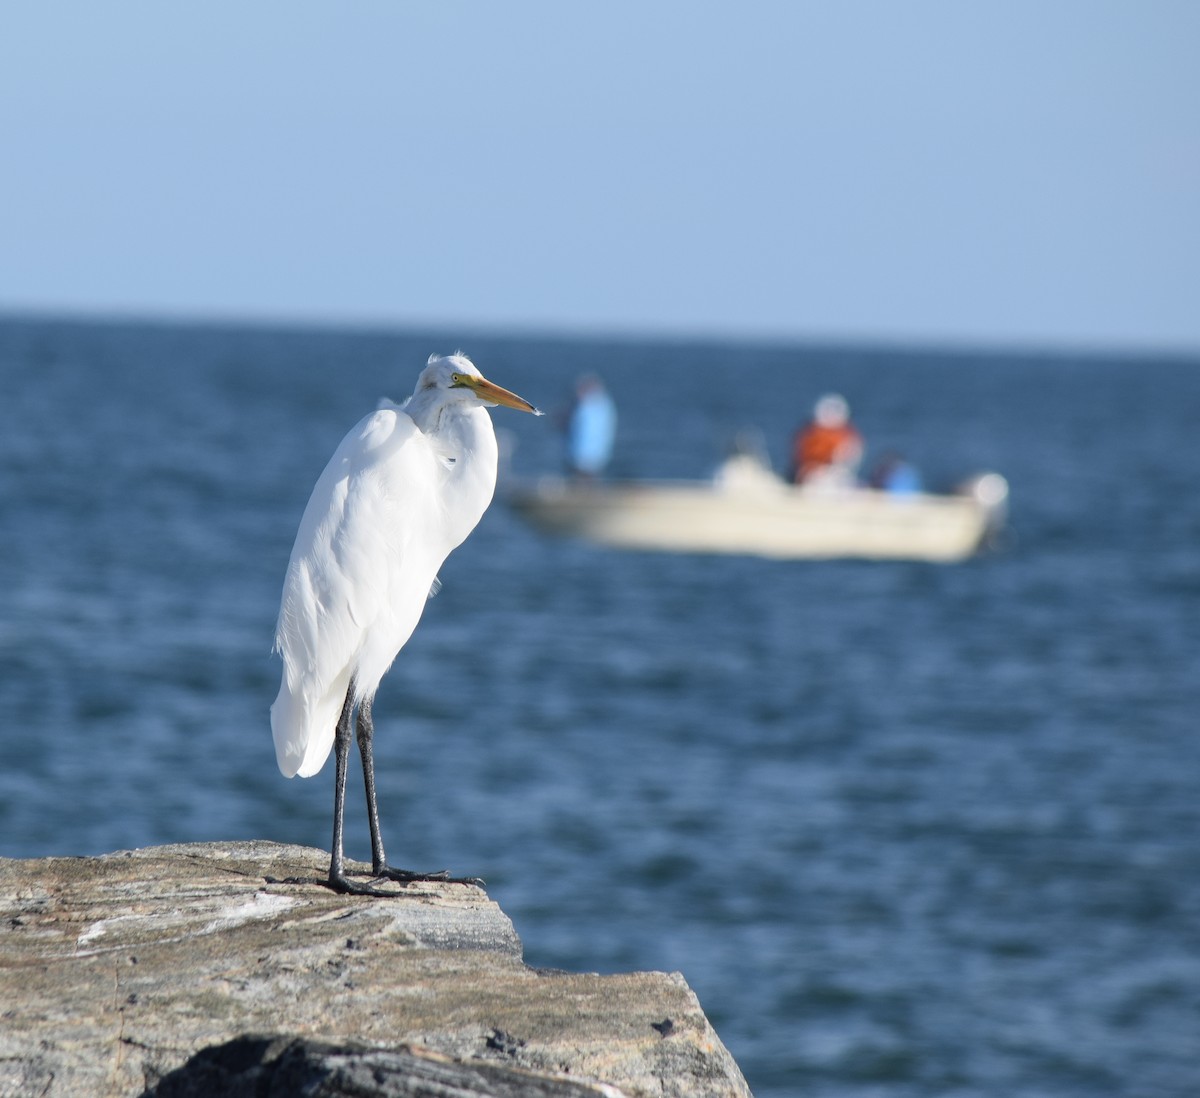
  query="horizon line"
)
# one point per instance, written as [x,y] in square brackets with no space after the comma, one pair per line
[906,343]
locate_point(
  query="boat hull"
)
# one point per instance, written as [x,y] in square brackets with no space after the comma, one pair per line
[787,523]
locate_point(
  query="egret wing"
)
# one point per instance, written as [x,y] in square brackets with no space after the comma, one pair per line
[355,543]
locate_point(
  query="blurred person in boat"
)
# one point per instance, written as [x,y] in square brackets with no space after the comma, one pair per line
[828,449]
[590,427]
[895,474]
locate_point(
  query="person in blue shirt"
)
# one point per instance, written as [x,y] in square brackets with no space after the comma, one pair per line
[896,475]
[591,427]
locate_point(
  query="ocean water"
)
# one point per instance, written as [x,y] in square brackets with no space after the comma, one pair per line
[906,829]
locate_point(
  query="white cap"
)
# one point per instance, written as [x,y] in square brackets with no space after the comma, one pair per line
[831,410]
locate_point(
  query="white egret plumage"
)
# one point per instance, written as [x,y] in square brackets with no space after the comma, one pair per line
[405,487]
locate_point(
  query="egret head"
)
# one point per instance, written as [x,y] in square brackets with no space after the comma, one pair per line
[457,376]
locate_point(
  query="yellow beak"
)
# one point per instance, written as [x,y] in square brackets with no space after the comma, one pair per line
[493,394]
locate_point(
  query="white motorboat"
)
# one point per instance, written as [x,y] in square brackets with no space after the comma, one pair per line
[747,509]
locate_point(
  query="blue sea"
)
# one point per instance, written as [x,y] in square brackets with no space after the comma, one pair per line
[906,829]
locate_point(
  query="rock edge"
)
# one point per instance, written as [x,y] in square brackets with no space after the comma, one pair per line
[119,974]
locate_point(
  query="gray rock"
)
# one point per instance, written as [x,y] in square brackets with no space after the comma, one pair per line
[139,971]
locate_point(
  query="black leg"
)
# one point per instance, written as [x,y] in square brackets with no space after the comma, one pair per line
[366,734]
[341,747]
[366,751]
[338,880]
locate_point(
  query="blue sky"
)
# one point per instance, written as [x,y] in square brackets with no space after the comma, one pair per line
[1025,173]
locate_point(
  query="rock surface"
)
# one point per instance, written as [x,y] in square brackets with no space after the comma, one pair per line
[159,970]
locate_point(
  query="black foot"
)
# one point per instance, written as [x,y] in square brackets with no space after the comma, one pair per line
[336,884]
[342,885]
[407,876]
[346,887]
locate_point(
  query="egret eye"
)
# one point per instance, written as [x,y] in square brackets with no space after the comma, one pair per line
[456,379]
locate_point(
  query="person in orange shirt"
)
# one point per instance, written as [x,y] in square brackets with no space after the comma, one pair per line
[829,448]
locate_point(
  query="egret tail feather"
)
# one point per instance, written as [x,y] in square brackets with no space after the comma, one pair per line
[303,729]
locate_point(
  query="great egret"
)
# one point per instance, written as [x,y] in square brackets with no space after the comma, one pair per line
[405,487]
